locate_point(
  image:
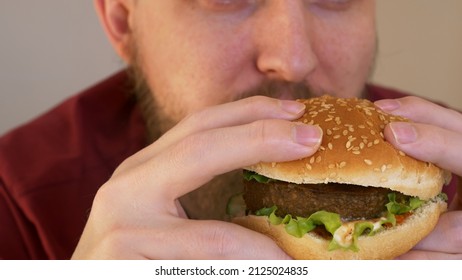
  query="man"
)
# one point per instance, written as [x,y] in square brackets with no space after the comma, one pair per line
[198,66]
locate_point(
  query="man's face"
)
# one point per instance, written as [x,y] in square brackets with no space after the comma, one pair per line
[197,53]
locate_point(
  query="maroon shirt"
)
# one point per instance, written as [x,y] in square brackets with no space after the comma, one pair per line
[51,168]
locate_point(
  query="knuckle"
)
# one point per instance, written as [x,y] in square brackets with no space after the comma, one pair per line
[433,146]
[218,242]
[257,99]
[102,196]
[454,231]
[260,105]
[189,147]
[118,244]
[194,119]
[415,103]
[259,132]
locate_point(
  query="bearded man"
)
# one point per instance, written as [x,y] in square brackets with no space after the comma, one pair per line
[147,175]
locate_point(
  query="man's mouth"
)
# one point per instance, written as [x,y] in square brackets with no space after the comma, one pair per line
[281,90]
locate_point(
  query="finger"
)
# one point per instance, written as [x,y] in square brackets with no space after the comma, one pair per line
[423,111]
[456,203]
[447,235]
[429,255]
[225,115]
[428,143]
[204,240]
[196,159]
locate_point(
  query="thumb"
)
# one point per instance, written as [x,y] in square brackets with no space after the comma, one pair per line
[211,240]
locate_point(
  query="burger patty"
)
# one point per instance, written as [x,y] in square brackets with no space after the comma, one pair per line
[350,201]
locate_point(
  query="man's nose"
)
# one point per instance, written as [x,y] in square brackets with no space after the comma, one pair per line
[284,41]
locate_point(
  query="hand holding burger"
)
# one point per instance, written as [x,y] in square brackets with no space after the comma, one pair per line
[356,198]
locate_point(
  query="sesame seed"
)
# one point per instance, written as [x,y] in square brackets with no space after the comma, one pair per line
[318,159]
[342,164]
[356,152]
[348,144]
[376,141]
[330,146]
[329,132]
[402,153]
[345,132]
[331,166]
[368,161]
[308,166]
[312,160]
[337,136]
[383,168]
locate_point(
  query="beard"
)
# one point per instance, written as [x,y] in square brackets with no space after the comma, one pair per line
[158,121]
[210,200]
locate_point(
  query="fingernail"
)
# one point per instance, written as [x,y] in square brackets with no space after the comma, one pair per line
[388,104]
[292,107]
[307,135]
[404,133]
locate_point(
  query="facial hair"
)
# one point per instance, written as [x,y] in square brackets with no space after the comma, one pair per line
[210,200]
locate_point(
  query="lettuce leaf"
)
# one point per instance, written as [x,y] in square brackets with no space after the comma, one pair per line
[236,206]
[250,175]
[399,208]
[331,221]
[299,226]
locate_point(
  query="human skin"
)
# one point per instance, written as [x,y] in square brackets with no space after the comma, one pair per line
[434,137]
[202,59]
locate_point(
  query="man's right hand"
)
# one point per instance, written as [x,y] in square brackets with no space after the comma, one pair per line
[136,214]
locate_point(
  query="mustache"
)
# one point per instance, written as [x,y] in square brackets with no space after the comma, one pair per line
[281,90]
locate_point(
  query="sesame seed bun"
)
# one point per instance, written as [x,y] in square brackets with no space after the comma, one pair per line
[354,151]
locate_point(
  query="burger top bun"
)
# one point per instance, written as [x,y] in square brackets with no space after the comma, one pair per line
[354,151]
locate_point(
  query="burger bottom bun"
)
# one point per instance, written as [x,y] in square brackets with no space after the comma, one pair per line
[386,244]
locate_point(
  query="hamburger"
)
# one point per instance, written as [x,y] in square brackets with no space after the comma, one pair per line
[357,197]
